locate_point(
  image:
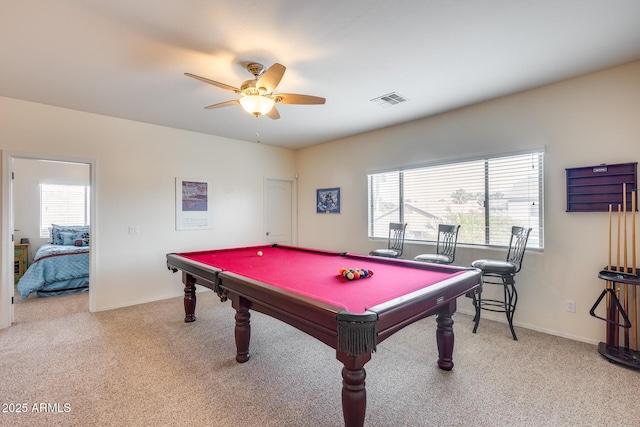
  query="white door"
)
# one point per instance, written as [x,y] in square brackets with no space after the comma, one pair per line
[278,211]
[8,265]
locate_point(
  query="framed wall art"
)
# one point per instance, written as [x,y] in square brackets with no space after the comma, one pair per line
[193,204]
[328,200]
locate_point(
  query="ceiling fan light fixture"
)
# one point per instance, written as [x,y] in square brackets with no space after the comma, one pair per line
[257,95]
[257,104]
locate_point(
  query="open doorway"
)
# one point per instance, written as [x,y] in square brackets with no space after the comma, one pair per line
[27,174]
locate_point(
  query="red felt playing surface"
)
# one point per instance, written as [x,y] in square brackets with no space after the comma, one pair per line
[317,274]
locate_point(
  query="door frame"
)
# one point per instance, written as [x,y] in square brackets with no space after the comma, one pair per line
[7,261]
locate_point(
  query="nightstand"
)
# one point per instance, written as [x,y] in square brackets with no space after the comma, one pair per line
[21,260]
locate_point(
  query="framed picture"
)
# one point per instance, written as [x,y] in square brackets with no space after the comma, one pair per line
[328,200]
[193,204]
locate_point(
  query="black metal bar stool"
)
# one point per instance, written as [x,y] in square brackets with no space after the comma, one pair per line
[445,248]
[395,245]
[501,273]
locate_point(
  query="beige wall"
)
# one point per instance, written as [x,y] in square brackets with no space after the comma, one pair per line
[136,167]
[581,122]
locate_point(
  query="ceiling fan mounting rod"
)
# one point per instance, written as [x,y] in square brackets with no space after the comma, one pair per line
[255,69]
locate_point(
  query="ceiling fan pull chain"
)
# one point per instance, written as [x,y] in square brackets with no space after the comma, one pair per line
[258,129]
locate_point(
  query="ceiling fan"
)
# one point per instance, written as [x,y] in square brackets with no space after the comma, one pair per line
[256,95]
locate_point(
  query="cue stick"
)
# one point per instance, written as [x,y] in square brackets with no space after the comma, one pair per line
[609,284]
[634,302]
[610,238]
[625,286]
[616,335]
[618,243]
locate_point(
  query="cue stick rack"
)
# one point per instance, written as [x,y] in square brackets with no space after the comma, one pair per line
[621,289]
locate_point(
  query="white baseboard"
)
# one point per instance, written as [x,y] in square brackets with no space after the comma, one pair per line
[533,328]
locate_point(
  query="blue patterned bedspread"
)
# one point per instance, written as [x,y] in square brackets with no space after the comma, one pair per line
[56,270]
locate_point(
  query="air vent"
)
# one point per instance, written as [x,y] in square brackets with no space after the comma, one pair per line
[389,99]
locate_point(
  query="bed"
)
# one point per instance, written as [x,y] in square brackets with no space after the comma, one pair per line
[60,267]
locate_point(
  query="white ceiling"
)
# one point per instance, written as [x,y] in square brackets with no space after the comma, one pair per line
[127,58]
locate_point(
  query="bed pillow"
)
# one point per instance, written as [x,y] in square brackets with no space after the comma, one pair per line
[57,230]
[81,239]
[68,238]
[56,234]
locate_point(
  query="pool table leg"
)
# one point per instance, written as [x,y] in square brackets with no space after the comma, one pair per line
[444,336]
[243,328]
[354,394]
[189,297]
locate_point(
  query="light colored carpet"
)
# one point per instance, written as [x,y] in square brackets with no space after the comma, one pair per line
[143,366]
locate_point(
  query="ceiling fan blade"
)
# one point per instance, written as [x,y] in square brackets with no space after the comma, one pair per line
[273,113]
[271,78]
[213,82]
[292,98]
[222,104]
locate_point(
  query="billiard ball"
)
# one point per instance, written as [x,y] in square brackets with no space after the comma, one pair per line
[259,253]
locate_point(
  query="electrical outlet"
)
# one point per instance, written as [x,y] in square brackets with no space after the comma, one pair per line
[571,306]
[134,230]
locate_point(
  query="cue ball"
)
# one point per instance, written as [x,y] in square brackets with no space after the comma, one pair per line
[259,253]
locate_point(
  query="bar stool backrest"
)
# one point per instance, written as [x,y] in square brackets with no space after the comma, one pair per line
[447,240]
[396,237]
[517,245]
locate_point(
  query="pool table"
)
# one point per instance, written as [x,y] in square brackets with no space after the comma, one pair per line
[304,288]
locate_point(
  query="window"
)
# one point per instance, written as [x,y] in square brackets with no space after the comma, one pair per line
[63,205]
[485,196]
